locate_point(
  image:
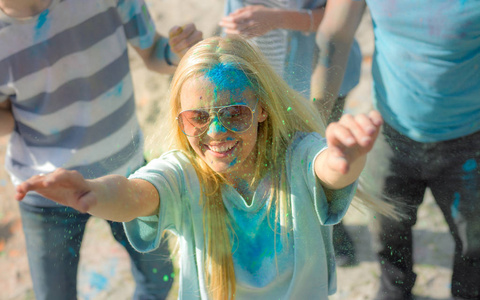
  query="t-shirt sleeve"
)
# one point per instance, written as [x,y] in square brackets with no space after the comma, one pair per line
[305,150]
[137,22]
[167,175]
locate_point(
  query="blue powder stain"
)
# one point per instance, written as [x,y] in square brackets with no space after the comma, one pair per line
[43,25]
[216,127]
[469,165]
[456,202]
[72,252]
[226,77]
[229,139]
[129,171]
[98,281]
[233,162]
[3,182]
[116,91]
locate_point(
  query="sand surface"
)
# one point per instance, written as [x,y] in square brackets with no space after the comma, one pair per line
[104,266]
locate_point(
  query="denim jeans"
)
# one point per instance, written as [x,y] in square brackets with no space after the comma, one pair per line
[53,239]
[401,169]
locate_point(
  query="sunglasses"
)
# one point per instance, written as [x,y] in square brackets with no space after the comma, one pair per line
[236,118]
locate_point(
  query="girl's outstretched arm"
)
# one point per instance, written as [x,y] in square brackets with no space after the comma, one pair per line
[349,140]
[111,197]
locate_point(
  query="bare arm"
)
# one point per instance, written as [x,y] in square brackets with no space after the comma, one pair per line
[257,20]
[7,122]
[111,197]
[349,141]
[165,53]
[334,39]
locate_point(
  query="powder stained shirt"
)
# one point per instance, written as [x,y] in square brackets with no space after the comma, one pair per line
[302,266]
[66,72]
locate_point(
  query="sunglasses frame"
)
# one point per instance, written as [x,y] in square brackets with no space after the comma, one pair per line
[214,110]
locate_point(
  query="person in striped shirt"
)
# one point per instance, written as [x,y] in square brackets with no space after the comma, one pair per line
[65,78]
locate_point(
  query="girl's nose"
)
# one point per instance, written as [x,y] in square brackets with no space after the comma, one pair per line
[216,127]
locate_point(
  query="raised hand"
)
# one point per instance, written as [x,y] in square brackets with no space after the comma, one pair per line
[182,38]
[62,186]
[350,138]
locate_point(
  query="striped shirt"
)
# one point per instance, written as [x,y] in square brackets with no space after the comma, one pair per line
[66,72]
[273,44]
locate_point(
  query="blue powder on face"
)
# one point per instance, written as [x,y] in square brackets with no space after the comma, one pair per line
[226,77]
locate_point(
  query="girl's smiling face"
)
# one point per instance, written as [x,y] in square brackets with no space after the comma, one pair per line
[233,154]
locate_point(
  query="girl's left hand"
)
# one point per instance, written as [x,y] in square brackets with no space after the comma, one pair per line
[350,138]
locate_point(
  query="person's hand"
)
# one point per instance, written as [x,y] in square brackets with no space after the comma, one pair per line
[182,38]
[250,21]
[350,138]
[62,186]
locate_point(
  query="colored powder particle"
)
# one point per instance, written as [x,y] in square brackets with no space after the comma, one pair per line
[289,108]
[314,99]
[154,270]
[172,275]
[165,278]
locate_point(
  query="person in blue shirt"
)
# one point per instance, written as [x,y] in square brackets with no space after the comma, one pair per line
[249,187]
[426,72]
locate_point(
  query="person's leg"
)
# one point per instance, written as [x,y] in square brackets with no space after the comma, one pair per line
[393,173]
[153,271]
[53,238]
[456,188]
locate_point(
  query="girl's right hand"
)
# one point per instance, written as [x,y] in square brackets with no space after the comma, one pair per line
[62,186]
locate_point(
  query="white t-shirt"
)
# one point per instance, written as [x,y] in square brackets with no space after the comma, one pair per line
[305,266]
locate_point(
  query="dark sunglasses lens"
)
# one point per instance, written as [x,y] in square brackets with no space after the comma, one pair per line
[236,117]
[193,122]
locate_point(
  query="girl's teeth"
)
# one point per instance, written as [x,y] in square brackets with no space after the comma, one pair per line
[221,149]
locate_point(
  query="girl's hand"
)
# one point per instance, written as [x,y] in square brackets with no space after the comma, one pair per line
[350,138]
[62,186]
[250,21]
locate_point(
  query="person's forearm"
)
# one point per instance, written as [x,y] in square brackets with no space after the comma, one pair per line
[303,20]
[160,58]
[328,74]
[120,199]
[334,39]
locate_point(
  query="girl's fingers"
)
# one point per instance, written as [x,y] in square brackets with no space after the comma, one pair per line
[339,136]
[354,125]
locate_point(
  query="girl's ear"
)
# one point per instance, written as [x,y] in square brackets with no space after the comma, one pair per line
[263,115]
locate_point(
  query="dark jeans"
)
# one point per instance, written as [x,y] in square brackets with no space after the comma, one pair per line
[402,169]
[53,239]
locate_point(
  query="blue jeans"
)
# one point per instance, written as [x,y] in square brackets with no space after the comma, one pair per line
[401,169]
[53,239]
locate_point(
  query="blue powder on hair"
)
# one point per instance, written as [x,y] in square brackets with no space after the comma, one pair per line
[227,77]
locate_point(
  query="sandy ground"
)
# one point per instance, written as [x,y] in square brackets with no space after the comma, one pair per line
[104,266]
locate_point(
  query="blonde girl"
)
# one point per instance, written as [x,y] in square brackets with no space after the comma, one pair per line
[249,186]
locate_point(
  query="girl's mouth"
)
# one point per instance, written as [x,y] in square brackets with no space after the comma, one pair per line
[223,149]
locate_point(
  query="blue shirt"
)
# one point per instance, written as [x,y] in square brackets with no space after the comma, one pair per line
[426,66]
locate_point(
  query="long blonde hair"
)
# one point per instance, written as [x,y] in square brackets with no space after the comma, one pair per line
[288,112]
